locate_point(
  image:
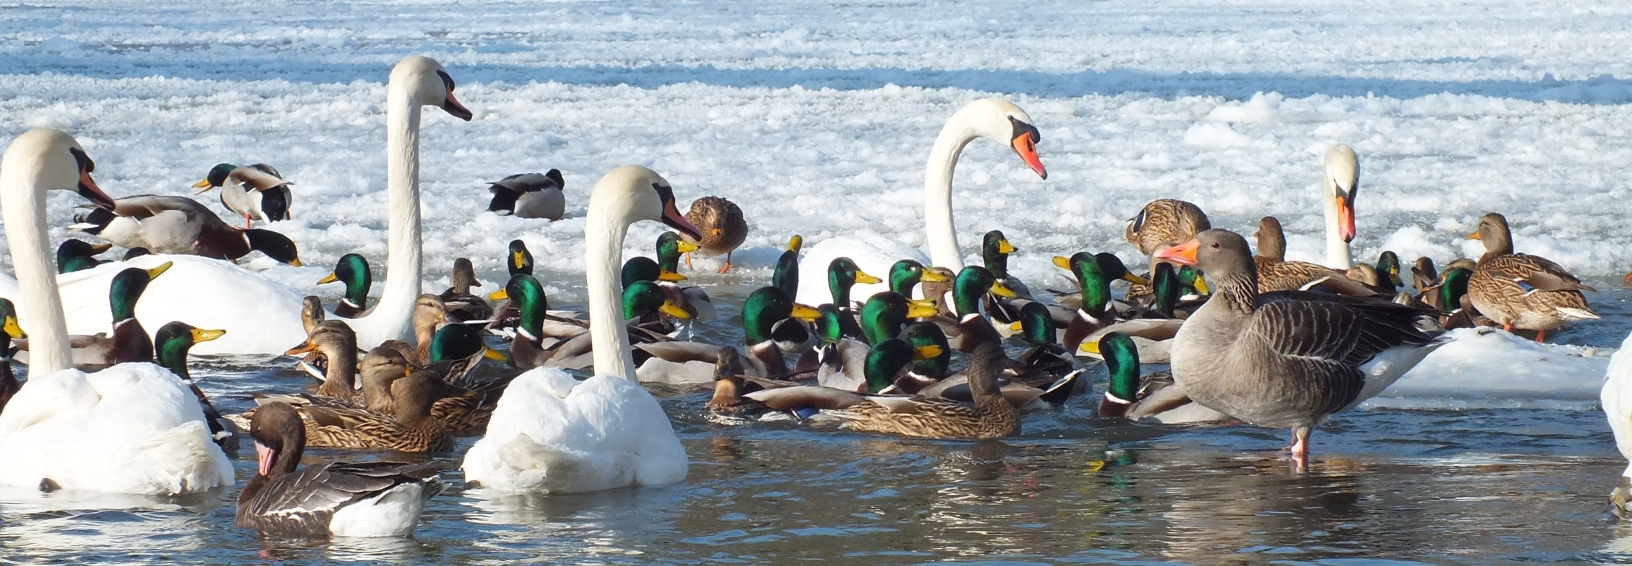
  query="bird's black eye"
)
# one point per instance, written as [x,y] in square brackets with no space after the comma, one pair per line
[84,161]
[664,192]
[1021,128]
[447,81]
[1214,246]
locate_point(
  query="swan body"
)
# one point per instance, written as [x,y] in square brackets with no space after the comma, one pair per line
[991,118]
[554,434]
[133,428]
[262,316]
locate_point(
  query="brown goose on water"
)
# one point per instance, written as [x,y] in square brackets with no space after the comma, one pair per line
[1165,222]
[1286,359]
[1522,290]
[373,499]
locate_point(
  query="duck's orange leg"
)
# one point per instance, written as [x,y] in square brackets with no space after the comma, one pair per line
[727,266]
[1541,335]
[687,255]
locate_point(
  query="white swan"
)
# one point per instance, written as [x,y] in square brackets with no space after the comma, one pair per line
[262,316]
[1338,189]
[132,428]
[551,433]
[1616,399]
[991,118]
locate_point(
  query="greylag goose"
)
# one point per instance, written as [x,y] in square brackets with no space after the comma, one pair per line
[1522,290]
[1287,359]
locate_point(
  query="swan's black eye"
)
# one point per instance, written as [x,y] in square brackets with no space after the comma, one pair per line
[84,161]
[665,193]
[1021,128]
[447,81]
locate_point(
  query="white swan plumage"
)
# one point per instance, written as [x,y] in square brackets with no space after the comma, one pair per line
[551,433]
[991,118]
[132,428]
[1339,187]
[260,315]
[1616,399]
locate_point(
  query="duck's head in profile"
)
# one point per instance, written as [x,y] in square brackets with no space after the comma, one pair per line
[431,85]
[274,245]
[59,164]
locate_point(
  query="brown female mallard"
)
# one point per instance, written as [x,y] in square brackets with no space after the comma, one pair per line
[991,415]
[1165,222]
[1521,290]
[1277,274]
[722,226]
[408,428]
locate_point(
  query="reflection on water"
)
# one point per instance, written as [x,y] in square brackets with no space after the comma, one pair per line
[1434,482]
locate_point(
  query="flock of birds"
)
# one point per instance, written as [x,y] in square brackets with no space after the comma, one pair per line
[857,334]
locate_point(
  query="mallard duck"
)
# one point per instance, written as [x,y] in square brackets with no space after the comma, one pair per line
[462,306]
[1520,290]
[78,255]
[1287,359]
[993,119]
[13,331]
[994,253]
[311,313]
[939,288]
[409,428]
[1109,268]
[1133,397]
[456,350]
[692,299]
[1277,274]
[1154,331]
[969,291]
[884,314]
[54,432]
[180,225]
[347,499]
[786,275]
[879,366]
[842,275]
[517,261]
[991,416]
[171,344]
[1452,292]
[723,228]
[530,195]
[769,316]
[542,340]
[907,274]
[1093,300]
[352,270]
[1045,362]
[1388,273]
[128,341]
[335,344]
[257,191]
[1165,222]
[929,374]
[1339,187]
[552,433]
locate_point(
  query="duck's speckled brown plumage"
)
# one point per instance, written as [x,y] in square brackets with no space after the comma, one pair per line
[991,416]
[1277,274]
[410,429]
[721,222]
[1165,222]
[1521,290]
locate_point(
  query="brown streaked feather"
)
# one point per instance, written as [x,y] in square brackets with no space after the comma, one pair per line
[1165,222]
[721,222]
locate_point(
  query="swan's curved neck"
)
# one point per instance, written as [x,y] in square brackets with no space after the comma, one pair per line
[40,310]
[941,233]
[603,240]
[1337,250]
[403,247]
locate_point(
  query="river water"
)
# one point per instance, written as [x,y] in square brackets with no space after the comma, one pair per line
[1433,475]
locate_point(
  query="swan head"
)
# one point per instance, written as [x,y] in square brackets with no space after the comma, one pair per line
[429,84]
[635,193]
[1002,122]
[1342,184]
[57,162]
